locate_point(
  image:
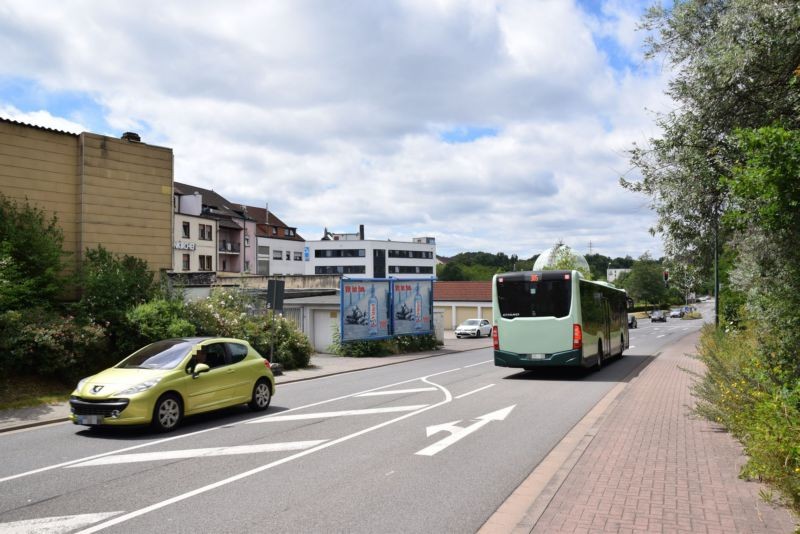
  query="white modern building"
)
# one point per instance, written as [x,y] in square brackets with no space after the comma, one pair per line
[613,274]
[353,256]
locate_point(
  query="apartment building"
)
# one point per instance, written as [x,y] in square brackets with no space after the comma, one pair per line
[103,191]
[280,250]
[228,240]
[353,256]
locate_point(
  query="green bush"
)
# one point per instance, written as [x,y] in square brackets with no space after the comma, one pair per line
[154,320]
[111,286]
[42,342]
[31,259]
[382,347]
[406,344]
[751,396]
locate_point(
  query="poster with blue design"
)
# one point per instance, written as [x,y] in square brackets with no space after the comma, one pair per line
[365,310]
[412,306]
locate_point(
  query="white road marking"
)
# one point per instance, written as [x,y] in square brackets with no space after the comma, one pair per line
[192,434]
[395,392]
[196,453]
[54,525]
[343,413]
[662,335]
[178,498]
[350,394]
[71,462]
[474,391]
[457,433]
[479,363]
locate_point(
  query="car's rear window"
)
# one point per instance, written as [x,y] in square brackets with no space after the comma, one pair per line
[522,297]
[165,354]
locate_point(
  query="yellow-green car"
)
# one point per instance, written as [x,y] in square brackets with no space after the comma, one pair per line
[166,380]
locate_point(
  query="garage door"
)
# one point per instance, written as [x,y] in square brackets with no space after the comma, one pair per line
[324,323]
[465,312]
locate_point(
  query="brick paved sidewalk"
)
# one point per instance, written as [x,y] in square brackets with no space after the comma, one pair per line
[653,468]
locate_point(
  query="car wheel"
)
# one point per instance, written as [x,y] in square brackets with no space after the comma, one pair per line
[261,396]
[167,413]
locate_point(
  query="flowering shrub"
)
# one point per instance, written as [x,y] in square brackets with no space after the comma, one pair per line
[229,313]
[748,392]
[48,344]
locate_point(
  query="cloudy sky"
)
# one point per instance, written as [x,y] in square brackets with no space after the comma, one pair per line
[492,125]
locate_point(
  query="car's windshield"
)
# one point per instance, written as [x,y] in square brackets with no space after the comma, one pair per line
[165,354]
[471,322]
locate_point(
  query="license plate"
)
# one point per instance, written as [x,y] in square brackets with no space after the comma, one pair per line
[534,356]
[90,420]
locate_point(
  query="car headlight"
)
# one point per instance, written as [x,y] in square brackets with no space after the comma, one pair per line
[138,388]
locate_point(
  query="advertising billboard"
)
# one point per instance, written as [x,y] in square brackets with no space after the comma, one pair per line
[365,309]
[378,308]
[411,306]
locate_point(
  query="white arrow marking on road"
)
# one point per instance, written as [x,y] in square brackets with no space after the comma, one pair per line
[54,525]
[196,453]
[395,392]
[344,413]
[457,432]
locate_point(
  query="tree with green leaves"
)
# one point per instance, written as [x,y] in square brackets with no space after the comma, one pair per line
[112,284]
[31,258]
[645,282]
[737,64]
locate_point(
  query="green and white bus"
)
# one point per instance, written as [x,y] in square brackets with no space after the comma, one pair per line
[556,318]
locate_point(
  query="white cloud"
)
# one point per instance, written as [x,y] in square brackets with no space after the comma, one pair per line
[41,118]
[331,111]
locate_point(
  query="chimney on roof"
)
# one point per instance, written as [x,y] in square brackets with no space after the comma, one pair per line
[361,231]
[133,137]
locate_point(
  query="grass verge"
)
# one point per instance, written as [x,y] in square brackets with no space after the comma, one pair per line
[25,391]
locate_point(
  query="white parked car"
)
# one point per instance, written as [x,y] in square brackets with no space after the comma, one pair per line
[474,328]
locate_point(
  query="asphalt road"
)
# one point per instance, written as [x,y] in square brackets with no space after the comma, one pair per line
[433,445]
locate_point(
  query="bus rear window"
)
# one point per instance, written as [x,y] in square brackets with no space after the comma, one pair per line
[523,298]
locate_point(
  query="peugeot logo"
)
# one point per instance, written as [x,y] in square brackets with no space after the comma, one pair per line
[96,389]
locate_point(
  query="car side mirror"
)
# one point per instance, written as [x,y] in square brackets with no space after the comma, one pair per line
[200,368]
[630,303]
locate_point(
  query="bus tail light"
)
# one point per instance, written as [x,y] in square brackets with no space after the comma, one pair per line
[577,336]
[495,338]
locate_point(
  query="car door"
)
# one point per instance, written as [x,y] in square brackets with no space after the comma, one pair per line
[243,373]
[486,328]
[212,389]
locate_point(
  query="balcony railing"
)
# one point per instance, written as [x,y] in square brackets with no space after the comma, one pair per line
[229,248]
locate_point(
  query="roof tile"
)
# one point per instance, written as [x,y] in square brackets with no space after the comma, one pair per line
[470,291]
